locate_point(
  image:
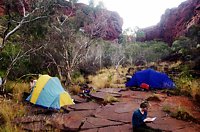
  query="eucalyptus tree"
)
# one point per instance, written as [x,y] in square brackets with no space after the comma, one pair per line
[69,43]
[19,14]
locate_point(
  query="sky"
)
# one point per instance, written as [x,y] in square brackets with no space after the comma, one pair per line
[140,13]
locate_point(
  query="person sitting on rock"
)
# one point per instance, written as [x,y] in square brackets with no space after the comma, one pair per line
[139,119]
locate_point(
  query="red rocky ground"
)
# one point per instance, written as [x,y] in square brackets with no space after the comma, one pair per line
[94,117]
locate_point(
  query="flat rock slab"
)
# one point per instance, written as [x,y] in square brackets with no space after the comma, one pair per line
[104,95]
[183,103]
[124,107]
[167,123]
[90,130]
[78,99]
[36,126]
[110,90]
[171,124]
[156,110]
[134,96]
[34,123]
[188,128]
[93,122]
[29,119]
[127,94]
[71,121]
[117,112]
[141,95]
[84,106]
[119,128]
[38,110]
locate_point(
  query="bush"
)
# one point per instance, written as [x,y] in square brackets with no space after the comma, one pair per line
[146,52]
[182,114]
[189,86]
[186,48]
[194,33]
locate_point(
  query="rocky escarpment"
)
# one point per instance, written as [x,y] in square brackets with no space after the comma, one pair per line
[96,22]
[174,23]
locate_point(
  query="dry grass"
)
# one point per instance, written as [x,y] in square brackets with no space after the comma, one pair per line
[17,89]
[75,89]
[174,65]
[107,78]
[109,99]
[195,89]
[112,78]
[10,110]
[10,128]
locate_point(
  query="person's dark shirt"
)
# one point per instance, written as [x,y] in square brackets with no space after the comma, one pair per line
[138,118]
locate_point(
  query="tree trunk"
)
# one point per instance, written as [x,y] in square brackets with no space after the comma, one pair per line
[4,80]
[69,79]
[59,72]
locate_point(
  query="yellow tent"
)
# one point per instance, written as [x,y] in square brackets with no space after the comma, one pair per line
[49,93]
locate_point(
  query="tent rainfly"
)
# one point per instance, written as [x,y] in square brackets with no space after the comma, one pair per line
[49,93]
[155,80]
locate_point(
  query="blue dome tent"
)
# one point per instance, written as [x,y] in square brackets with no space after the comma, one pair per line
[49,93]
[155,80]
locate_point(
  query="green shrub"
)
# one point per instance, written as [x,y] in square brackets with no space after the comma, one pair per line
[186,84]
[148,51]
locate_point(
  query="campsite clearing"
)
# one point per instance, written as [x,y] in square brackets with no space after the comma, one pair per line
[116,116]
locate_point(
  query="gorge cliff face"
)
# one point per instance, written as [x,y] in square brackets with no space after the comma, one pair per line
[96,22]
[174,23]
